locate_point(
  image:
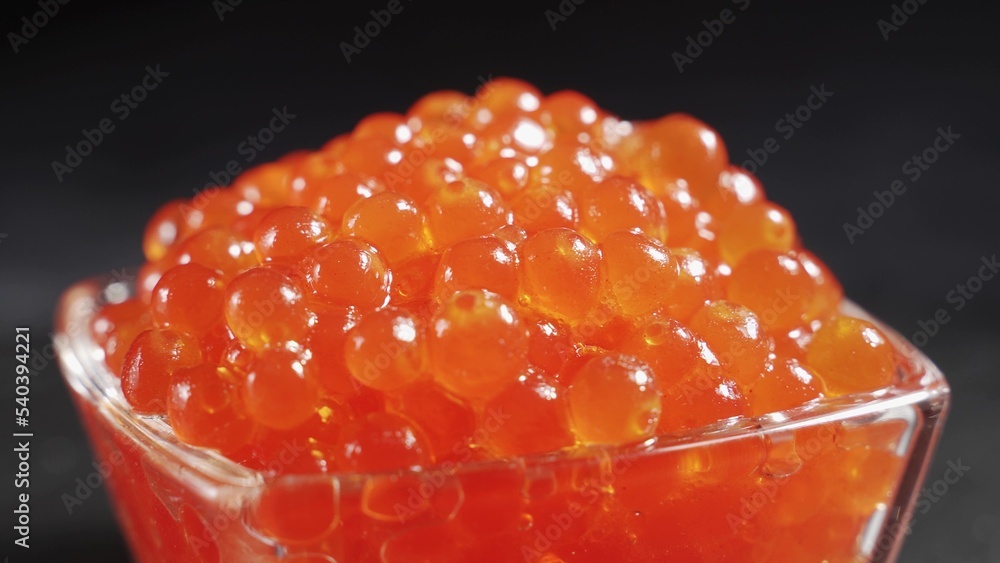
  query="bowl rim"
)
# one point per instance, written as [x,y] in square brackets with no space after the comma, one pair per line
[87,375]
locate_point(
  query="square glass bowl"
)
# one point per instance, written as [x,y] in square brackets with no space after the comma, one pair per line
[833,480]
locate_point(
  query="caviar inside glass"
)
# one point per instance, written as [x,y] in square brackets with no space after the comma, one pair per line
[507,327]
[837,477]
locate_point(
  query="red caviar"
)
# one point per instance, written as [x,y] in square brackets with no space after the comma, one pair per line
[481,279]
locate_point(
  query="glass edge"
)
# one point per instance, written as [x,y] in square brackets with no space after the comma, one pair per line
[88,377]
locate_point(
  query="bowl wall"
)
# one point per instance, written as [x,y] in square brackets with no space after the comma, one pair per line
[833,480]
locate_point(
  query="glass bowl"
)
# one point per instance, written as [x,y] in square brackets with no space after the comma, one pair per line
[833,480]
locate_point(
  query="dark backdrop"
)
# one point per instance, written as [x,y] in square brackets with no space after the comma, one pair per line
[937,70]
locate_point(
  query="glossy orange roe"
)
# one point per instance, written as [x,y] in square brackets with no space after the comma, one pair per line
[640,271]
[265,308]
[513,418]
[205,409]
[385,349]
[736,336]
[477,344]
[188,298]
[851,355]
[149,364]
[560,273]
[479,279]
[614,399]
[116,326]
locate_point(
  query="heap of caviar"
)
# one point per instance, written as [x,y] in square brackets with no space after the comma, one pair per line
[481,277]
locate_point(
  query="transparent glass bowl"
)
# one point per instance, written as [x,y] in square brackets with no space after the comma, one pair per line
[833,480]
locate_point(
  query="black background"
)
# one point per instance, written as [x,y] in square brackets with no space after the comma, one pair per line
[939,69]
